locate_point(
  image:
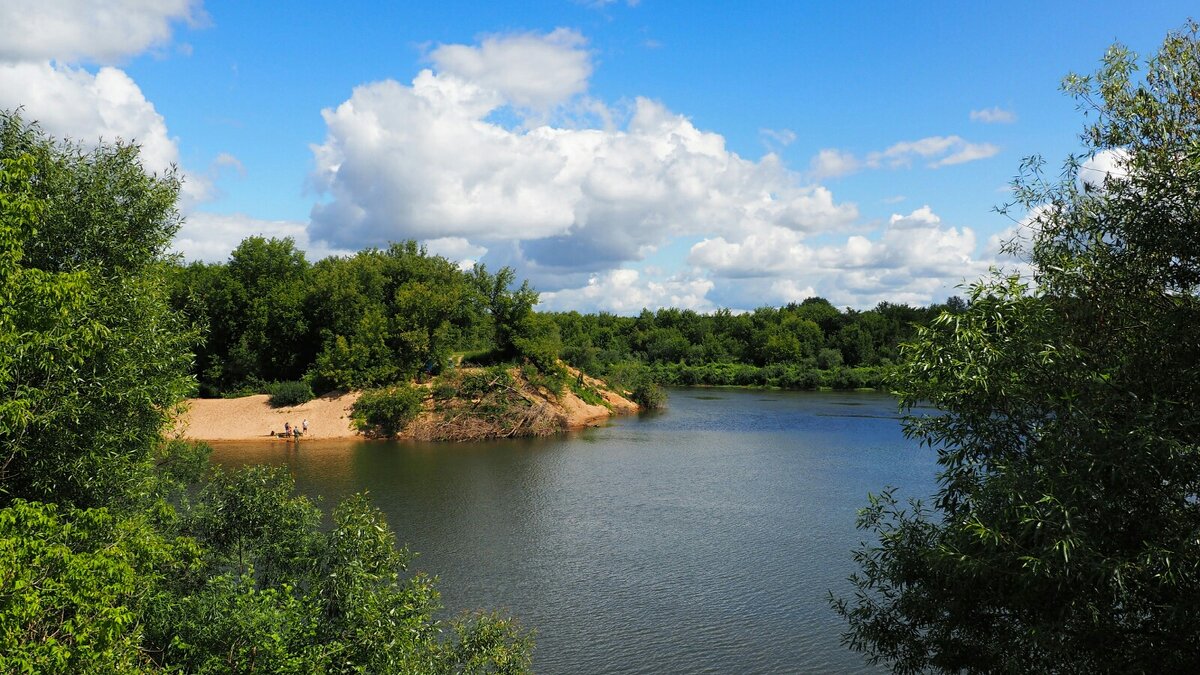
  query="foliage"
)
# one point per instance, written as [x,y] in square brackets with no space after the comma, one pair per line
[1063,534]
[586,392]
[552,381]
[648,395]
[291,392]
[799,346]
[368,320]
[120,552]
[91,358]
[70,582]
[385,412]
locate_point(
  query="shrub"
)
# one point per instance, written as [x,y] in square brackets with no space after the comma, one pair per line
[828,359]
[290,392]
[476,384]
[649,395]
[552,381]
[384,412]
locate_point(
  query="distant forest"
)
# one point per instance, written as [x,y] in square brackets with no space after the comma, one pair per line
[268,315]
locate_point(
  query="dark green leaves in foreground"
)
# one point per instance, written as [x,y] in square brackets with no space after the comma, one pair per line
[121,552]
[1065,534]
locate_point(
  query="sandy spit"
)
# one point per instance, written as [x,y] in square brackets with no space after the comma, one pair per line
[251,418]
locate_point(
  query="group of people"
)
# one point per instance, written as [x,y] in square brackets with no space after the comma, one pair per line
[294,431]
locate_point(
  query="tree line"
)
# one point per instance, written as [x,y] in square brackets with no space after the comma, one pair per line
[388,315]
[802,345]
[375,318]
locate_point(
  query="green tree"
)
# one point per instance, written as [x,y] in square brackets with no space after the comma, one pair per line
[91,357]
[1063,537]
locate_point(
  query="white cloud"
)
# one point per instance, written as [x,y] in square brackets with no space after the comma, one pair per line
[993,115]
[915,258]
[528,70]
[624,291]
[968,152]
[456,249]
[226,160]
[775,139]
[1112,163]
[788,290]
[939,151]
[425,161]
[942,150]
[72,102]
[772,252]
[832,163]
[73,30]
[212,236]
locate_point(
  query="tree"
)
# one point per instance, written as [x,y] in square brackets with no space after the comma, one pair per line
[91,356]
[1063,537]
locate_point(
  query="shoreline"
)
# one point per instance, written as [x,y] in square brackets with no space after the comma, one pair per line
[252,419]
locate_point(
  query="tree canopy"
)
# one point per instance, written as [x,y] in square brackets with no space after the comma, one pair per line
[1063,535]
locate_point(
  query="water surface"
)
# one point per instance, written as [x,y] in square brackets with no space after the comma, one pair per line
[703,539]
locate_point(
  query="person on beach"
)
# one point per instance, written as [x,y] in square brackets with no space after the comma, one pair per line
[305,425]
[287,429]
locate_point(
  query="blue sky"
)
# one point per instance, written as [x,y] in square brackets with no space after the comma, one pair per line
[617,154]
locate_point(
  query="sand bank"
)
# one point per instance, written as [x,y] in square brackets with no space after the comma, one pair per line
[252,417]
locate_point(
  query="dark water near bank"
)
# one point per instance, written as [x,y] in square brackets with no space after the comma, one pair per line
[700,540]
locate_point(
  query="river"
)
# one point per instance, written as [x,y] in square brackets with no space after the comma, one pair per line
[702,539]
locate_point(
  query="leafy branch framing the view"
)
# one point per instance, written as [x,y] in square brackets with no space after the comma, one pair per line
[1062,537]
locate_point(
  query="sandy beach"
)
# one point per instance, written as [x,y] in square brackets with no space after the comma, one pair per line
[252,417]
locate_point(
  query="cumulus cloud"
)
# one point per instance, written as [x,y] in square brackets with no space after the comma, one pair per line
[41,44]
[456,249]
[832,163]
[210,237]
[993,115]
[624,291]
[87,107]
[73,30]
[426,161]
[915,258]
[527,70]
[1111,163]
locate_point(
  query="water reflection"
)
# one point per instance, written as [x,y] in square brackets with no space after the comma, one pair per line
[702,539]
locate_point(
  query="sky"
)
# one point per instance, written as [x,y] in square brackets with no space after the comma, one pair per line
[618,154]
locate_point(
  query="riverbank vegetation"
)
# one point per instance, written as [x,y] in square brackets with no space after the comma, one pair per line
[124,552]
[384,316]
[1063,535]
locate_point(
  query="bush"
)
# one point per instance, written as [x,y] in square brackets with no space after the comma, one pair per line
[477,384]
[384,412]
[649,395]
[287,393]
[553,381]
[828,359]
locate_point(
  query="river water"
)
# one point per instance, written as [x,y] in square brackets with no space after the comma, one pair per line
[702,539]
